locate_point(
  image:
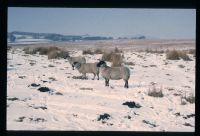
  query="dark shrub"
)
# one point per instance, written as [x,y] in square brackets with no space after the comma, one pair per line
[88,51]
[184,56]
[98,51]
[116,59]
[173,55]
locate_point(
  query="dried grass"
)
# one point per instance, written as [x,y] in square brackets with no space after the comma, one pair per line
[155,91]
[88,51]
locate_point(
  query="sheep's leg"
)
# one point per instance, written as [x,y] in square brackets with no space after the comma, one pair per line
[72,67]
[105,82]
[94,76]
[108,82]
[97,76]
[126,84]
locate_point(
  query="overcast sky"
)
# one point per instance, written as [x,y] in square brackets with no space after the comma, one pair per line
[115,22]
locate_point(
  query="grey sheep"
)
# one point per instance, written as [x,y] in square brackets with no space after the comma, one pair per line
[114,73]
[75,59]
[87,68]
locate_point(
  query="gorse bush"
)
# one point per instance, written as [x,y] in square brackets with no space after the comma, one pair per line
[192,51]
[154,51]
[129,63]
[188,98]
[116,59]
[117,50]
[155,92]
[51,52]
[173,55]
[184,56]
[98,51]
[113,57]
[176,55]
[88,51]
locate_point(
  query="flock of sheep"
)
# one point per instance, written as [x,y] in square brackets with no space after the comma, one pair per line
[108,73]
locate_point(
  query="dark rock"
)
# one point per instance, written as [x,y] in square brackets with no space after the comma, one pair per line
[34,85]
[79,77]
[129,117]
[37,119]
[58,93]
[22,77]
[44,81]
[147,122]
[188,124]
[39,107]
[132,104]
[32,64]
[21,119]
[177,114]
[52,79]
[51,65]
[103,117]
[12,99]
[44,89]
[189,116]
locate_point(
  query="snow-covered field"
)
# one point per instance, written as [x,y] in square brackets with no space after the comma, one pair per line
[76,104]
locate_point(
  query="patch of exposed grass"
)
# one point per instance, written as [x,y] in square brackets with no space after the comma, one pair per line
[129,63]
[187,98]
[181,66]
[98,51]
[117,60]
[154,51]
[52,52]
[155,92]
[57,54]
[176,55]
[173,55]
[88,51]
[117,50]
[192,51]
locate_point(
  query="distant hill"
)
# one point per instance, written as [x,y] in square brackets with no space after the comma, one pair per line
[30,37]
[133,37]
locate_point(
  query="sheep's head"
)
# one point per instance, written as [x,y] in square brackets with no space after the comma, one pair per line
[101,64]
[77,65]
[66,56]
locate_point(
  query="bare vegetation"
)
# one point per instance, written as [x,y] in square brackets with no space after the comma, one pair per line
[117,60]
[181,66]
[154,51]
[114,56]
[155,91]
[129,63]
[52,52]
[98,51]
[117,50]
[176,55]
[187,98]
[88,51]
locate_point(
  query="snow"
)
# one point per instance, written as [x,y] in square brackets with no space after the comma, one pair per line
[79,109]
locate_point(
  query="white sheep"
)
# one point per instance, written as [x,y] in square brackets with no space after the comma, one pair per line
[87,68]
[114,73]
[75,59]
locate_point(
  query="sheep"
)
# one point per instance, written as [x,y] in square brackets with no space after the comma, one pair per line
[114,73]
[87,68]
[75,59]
